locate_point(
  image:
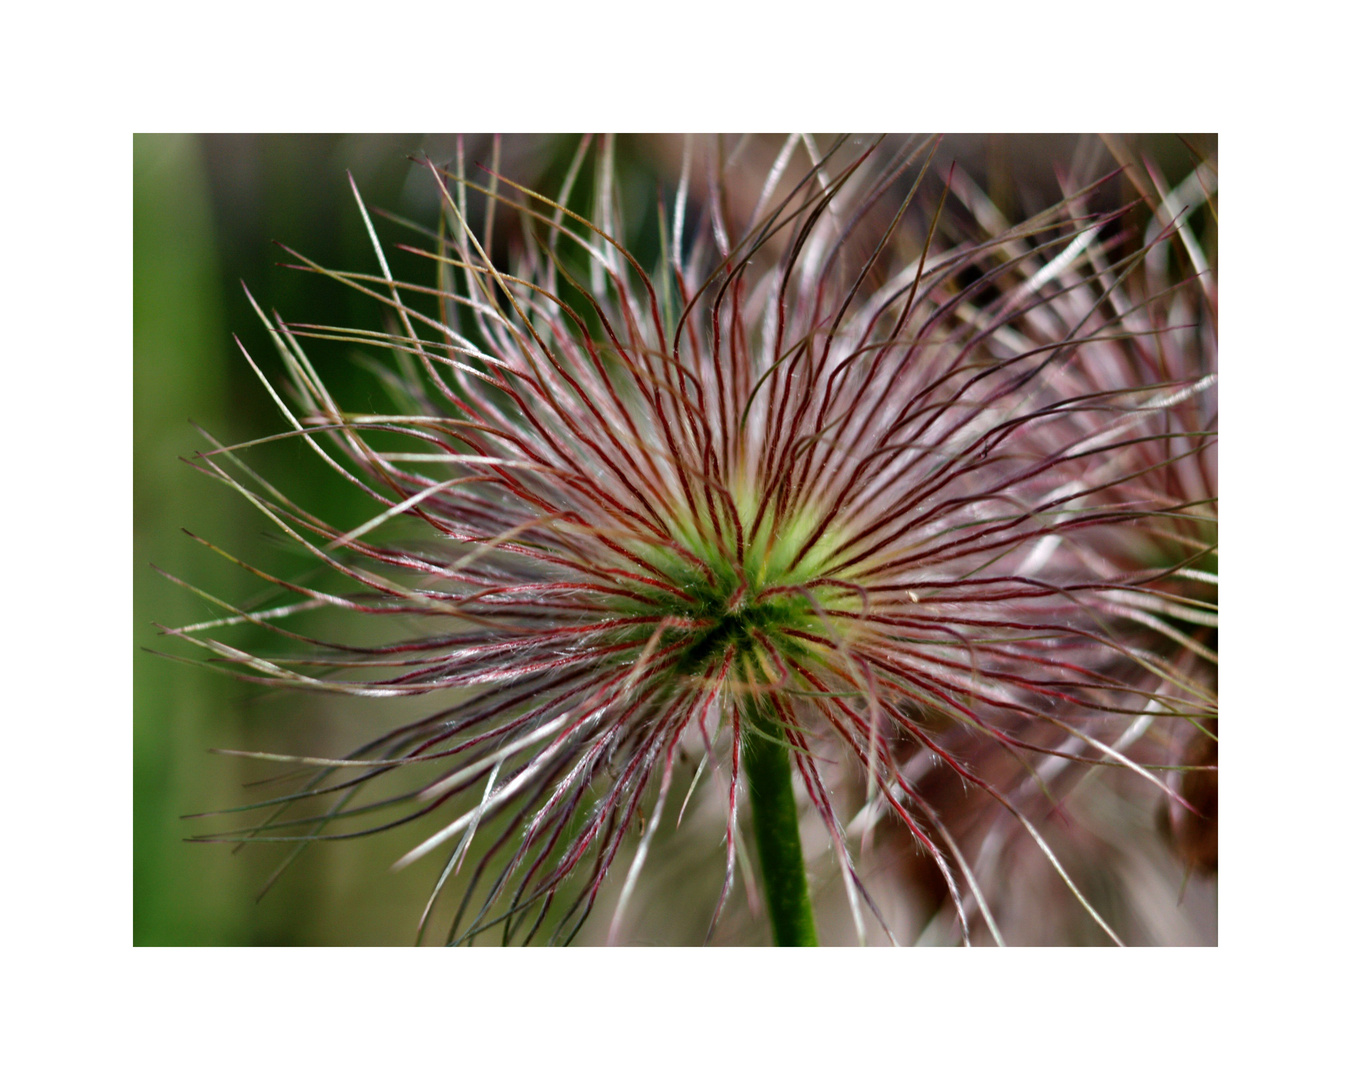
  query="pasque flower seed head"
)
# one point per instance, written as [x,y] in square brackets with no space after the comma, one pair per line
[837,483]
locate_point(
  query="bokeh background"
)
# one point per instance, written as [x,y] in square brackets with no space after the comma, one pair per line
[207,210]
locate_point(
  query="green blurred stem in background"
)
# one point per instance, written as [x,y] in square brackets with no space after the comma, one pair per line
[182,894]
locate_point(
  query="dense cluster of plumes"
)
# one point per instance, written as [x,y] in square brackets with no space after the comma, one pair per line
[935,491]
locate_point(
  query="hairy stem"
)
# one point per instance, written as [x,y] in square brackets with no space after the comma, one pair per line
[769,776]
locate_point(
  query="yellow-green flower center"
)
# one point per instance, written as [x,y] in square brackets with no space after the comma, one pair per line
[770,599]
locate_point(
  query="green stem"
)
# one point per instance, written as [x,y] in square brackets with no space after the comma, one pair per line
[769,776]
